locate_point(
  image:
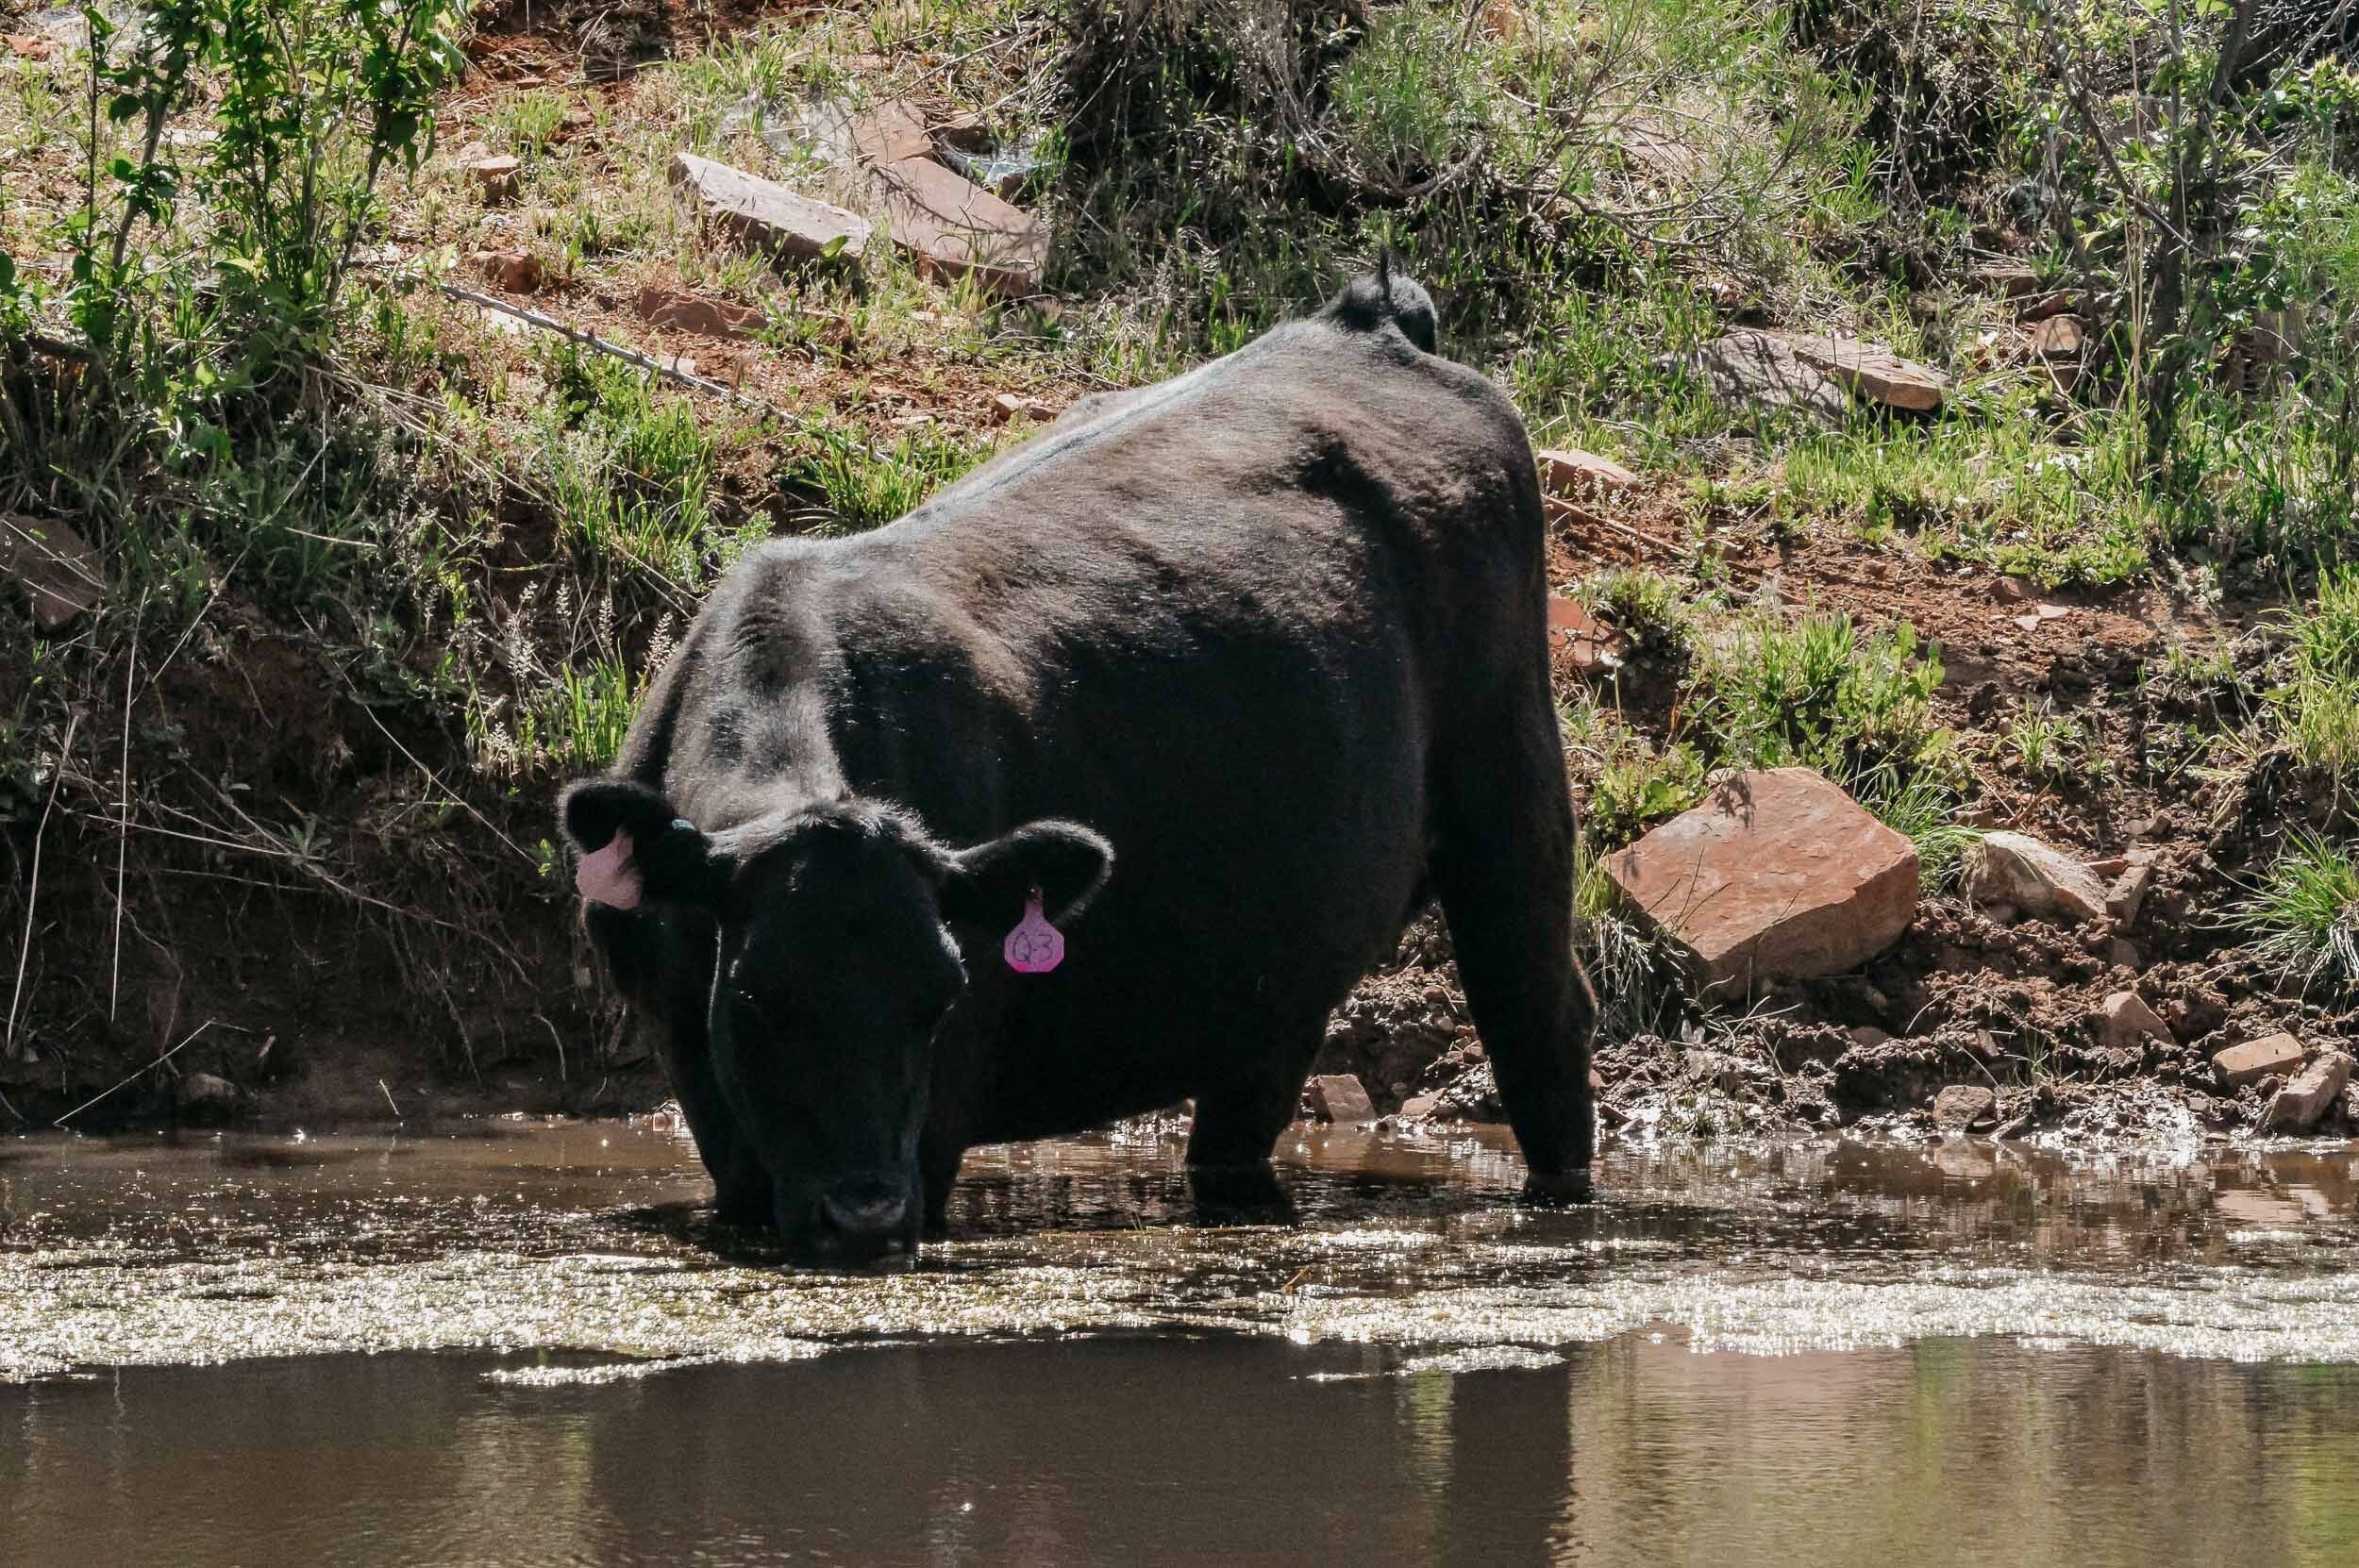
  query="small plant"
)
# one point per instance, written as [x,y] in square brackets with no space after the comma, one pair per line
[1638,787]
[2213,669]
[1924,811]
[632,471]
[2044,745]
[571,712]
[1633,983]
[529,124]
[2302,917]
[1651,609]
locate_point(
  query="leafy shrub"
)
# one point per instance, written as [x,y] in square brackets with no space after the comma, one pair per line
[187,354]
[1239,155]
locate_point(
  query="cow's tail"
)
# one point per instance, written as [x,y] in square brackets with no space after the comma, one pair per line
[1386,297]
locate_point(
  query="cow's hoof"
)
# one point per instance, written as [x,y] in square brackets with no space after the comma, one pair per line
[1555,1190]
[1239,1195]
[746,1213]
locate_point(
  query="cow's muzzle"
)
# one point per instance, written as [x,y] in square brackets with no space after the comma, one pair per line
[861,1217]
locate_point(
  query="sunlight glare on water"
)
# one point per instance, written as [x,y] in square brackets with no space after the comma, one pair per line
[592,1238]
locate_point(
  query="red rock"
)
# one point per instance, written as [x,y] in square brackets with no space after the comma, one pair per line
[59,568]
[494,176]
[1420,1107]
[2127,897]
[1338,1097]
[1570,470]
[2014,868]
[968,132]
[768,216]
[1778,873]
[1963,1105]
[1593,647]
[2061,302]
[891,133]
[2300,1102]
[686,312]
[2123,1019]
[517,271]
[951,225]
[1873,371]
[956,227]
[2255,1059]
[2059,337]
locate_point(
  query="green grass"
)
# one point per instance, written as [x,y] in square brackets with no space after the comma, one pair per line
[1819,694]
[2302,916]
[530,121]
[1923,809]
[866,483]
[2317,707]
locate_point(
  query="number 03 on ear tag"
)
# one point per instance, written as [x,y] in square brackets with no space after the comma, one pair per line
[1035,947]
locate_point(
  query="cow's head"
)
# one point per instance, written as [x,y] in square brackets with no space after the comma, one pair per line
[846,936]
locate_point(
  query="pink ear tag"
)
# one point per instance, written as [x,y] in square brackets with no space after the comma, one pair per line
[1035,947]
[607,877]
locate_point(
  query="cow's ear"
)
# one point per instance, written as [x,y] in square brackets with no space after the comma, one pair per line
[1064,861]
[630,845]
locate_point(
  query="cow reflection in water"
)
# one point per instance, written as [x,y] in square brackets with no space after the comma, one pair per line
[1094,783]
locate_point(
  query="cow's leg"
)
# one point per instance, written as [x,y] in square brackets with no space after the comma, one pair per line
[741,1186]
[1237,1124]
[668,976]
[1503,865]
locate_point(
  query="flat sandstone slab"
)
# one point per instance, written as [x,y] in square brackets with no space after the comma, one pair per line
[955,226]
[2255,1059]
[1760,371]
[60,574]
[1778,875]
[2304,1100]
[767,215]
[1873,371]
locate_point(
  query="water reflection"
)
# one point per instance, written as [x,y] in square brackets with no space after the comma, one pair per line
[1220,1449]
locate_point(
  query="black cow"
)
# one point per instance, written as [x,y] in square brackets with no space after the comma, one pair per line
[1267,643]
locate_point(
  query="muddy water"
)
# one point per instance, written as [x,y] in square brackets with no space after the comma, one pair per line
[524,1343]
